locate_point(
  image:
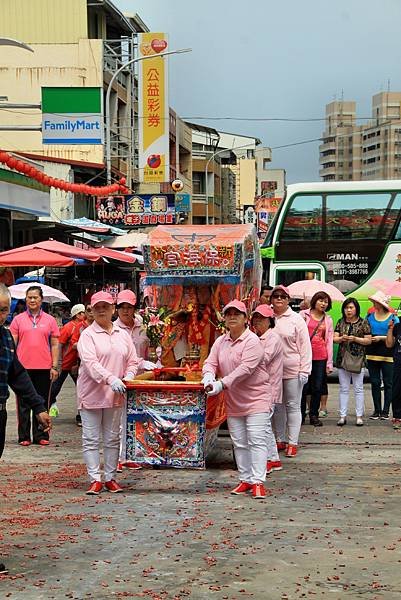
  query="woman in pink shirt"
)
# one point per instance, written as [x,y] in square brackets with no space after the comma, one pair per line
[297,365]
[321,333]
[107,356]
[263,324]
[131,323]
[238,359]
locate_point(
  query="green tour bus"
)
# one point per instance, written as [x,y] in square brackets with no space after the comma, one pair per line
[345,233]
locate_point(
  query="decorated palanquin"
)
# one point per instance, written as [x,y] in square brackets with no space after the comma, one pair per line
[193,271]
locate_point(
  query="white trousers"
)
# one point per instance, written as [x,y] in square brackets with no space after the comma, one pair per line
[249,438]
[287,418]
[272,453]
[123,433]
[345,378]
[96,424]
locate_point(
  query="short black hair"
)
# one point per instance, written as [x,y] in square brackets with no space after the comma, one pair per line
[34,288]
[320,296]
[353,301]
[268,288]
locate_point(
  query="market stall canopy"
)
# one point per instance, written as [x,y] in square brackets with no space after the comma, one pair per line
[49,254]
[93,226]
[202,254]
[50,294]
[133,239]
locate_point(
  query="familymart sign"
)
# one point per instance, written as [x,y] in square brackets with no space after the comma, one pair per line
[72,115]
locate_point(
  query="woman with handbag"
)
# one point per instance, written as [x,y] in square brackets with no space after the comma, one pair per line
[352,333]
[320,329]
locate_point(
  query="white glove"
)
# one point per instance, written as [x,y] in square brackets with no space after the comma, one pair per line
[303,378]
[129,376]
[217,387]
[117,386]
[208,379]
[148,366]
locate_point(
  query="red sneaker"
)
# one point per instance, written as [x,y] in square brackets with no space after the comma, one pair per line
[119,467]
[241,488]
[281,446]
[273,465]
[132,465]
[258,491]
[95,488]
[113,487]
[291,451]
[25,443]
[44,442]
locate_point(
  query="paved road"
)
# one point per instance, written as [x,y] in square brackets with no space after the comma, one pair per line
[330,528]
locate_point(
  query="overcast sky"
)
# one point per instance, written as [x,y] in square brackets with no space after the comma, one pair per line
[264,59]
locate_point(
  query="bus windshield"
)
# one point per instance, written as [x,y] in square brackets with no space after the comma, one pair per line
[347,232]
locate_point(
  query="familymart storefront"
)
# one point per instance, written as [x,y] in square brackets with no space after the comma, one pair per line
[22,201]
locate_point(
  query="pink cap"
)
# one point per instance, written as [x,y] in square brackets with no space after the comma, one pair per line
[265,310]
[127,296]
[102,297]
[237,304]
[283,288]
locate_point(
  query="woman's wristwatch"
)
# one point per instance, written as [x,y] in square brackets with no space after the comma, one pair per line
[54,369]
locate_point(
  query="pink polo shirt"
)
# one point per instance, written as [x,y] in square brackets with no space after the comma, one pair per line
[34,333]
[104,357]
[241,366]
[297,348]
[274,362]
[139,337]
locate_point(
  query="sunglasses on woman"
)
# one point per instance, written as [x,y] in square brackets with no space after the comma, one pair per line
[280,297]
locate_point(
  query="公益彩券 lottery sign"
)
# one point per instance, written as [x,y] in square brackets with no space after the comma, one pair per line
[153,110]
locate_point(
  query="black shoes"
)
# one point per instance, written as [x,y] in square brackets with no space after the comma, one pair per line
[375,416]
[3,569]
[315,421]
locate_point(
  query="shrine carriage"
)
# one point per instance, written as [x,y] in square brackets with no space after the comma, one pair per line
[192,272]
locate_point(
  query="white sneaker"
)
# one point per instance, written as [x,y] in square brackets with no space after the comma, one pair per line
[359,422]
[342,421]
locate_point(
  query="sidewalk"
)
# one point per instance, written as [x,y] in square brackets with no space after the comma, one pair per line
[329,529]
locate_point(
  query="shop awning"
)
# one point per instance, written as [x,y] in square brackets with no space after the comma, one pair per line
[133,239]
[92,226]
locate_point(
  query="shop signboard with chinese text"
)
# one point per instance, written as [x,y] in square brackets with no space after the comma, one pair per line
[266,208]
[136,210]
[153,109]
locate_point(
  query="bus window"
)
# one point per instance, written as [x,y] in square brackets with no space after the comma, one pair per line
[304,219]
[360,216]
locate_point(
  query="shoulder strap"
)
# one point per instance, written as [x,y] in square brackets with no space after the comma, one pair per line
[316,328]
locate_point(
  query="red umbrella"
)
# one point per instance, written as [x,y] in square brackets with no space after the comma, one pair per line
[34,257]
[115,254]
[46,254]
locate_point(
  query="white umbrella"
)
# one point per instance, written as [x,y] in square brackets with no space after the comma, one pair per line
[49,294]
[308,287]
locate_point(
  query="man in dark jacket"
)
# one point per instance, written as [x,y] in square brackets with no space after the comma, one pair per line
[13,374]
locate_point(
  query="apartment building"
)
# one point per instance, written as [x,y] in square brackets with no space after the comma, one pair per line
[252,163]
[368,150]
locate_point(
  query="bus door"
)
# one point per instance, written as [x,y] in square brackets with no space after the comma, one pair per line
[286,273]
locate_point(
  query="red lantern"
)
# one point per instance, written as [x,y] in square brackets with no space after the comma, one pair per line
[12,162]
[46,180]
[4,157]
[122,180]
